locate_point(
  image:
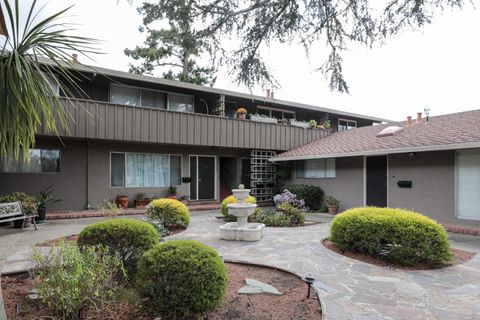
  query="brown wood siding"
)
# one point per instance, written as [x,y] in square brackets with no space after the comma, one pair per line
[107,121]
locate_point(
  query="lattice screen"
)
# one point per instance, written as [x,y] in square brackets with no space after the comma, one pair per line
[263,175]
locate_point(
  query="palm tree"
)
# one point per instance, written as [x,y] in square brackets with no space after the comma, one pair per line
[33,54]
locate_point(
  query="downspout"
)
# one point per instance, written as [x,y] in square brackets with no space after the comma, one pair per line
[88,175]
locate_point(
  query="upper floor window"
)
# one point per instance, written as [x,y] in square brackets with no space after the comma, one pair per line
[41,161]
[344,124]
[134,96]
[276,113]
[316,168]
[179,102]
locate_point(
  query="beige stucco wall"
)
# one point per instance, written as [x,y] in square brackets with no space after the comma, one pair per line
[346,187]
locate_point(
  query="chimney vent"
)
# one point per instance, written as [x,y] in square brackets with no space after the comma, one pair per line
[419,118]
[268,93]
[75,57]
[409,121]
[271,94]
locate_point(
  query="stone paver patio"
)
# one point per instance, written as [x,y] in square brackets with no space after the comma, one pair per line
[348,289]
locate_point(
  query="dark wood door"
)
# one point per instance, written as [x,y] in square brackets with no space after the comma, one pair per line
[206,178]
[377,181]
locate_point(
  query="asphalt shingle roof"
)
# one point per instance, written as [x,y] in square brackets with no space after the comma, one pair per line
[444,132]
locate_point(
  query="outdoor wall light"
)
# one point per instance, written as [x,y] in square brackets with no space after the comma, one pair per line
[309,280]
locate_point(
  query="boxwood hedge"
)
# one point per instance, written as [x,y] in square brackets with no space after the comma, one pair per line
[181,278]
[128,237]
[397,236]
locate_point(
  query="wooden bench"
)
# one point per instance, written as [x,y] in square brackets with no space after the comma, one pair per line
[13,211]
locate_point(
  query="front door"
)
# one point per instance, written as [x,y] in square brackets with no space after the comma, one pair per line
[377,181]
[202,173]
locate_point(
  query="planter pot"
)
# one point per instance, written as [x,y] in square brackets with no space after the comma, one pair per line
[172,197]
[300,124]
[332,210]
[42,215]
[242,116]
[263,119]
[140,204]
[185,202]
[122,202]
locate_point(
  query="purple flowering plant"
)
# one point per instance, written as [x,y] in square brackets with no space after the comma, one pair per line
[291,198]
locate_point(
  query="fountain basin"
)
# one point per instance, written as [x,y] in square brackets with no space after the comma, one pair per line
[241,194]
[241,209]
[231,231]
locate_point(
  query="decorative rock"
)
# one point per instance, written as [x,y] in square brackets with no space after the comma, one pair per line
[256,287]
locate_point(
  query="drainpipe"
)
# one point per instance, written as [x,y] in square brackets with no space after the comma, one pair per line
[88,175]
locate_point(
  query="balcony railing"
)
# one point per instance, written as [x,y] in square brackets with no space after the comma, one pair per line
[107,121]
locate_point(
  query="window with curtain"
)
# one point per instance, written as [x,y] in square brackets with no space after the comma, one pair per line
[315,168]
[180,103]
[153,99]
[275,113]
[125,95]
[145,170]
[41,161]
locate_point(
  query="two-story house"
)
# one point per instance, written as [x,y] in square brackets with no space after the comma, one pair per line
[139,134]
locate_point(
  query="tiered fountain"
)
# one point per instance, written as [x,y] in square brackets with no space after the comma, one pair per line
[241,230]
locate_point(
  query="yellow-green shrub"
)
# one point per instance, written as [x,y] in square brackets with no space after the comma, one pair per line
[129,238]
[395,235]
[229,200]
[172,213]
[181,278]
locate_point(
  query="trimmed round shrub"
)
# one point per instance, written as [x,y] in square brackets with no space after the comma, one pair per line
[128,237]
[312,195]
[182,278]
[172,213]
[232,199]
[394,235]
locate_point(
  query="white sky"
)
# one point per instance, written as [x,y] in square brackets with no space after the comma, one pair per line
[438,67]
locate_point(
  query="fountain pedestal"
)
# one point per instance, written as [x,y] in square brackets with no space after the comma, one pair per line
[241,230]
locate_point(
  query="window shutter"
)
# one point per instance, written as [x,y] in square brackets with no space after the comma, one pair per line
[468,184]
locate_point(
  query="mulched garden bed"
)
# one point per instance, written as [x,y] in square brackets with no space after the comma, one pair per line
[458,257]
[293,304]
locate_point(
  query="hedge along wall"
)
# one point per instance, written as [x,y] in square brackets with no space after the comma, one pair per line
[394,235]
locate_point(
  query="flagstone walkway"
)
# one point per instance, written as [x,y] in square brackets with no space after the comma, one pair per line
[348,289]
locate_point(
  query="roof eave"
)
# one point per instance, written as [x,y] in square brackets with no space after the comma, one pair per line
[453,146]
[185,85]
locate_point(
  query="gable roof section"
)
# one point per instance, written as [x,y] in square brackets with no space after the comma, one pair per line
[446,132]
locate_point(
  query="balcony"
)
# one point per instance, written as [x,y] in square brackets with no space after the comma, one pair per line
[107,121]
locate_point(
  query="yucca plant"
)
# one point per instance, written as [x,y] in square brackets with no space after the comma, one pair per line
[33,54]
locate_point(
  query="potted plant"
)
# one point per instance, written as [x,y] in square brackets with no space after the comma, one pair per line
[283,121]
[141,200]
[332,204]
[313,123]
[46,197]
[184,199]
[172,192]
[242,113]
[326,124]
[122,200]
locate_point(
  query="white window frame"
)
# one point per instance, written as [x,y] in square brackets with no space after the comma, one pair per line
[347,121]
[270,109]
[149,153]
[325,169]
[167,93]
